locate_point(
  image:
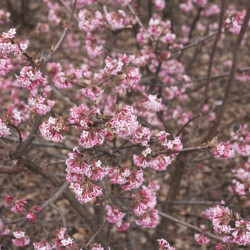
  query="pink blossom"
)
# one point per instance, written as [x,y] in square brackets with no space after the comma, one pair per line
[201,3]
[186,7]
[117,20]
[62,81]
[42,28]
[201,239]
[42,245]
[5,66]
[164,245]
[223,150]
[40,104]
[92,92]
[94,45]
[97,247]
[118,175]
[234,20]
[85,191]
[53,69]
[160,162]
[20,239]
[4,130]
[141,135]
[4,17]
[142,159]
[63,240]
[89,20]
[115,216]
[30,78]
[134,180]
[214,9]
[17,203]
[145,200]
[149,219]
[241,233]
[159,4]
[125,122]
[112,66]
[52,128]
[92,137]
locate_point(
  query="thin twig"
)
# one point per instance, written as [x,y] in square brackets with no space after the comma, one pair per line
[219,115]
[169,217]
[96,233]
[186,124]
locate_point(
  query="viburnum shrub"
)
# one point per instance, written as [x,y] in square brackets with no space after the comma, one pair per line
[124,124]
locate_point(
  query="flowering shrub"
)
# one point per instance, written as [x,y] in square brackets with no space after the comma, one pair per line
[114,112]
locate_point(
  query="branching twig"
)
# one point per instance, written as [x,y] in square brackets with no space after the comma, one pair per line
[169,217]
[219,115]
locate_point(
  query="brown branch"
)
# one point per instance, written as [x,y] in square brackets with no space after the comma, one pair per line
[211,60]
[186,124]
[65,30]
[169,217]
[221,110]
[206,38]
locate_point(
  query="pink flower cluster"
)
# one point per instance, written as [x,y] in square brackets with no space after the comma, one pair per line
[30,78]
[115,216]
[159,162]
[40,104]
[234,20]
[201,238]
[125,125]
[164,245]
[4,17]
[241,184]
[80,175]
[20,239]
[113,66]
[62,241]
[149,219]
[223,150]
[51,129]
[242,141]
[117,19]
[158,30]
[31,215]
[17,203]
[82,117]
[225,223]
[90,20]
[4,130]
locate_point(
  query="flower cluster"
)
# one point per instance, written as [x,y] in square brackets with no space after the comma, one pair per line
[17,203]
[4,130]
[223,150]
[90,21]
[63,240]
[241,184]
[242,141]
[82,117]
[40,104]
[30,78]
[201,238]
[115,216]
[234,20]
[20,239]
[31,215]
[80,175]
[164,245]
[117,20]
[51,129]
[224,222]
[158,30]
